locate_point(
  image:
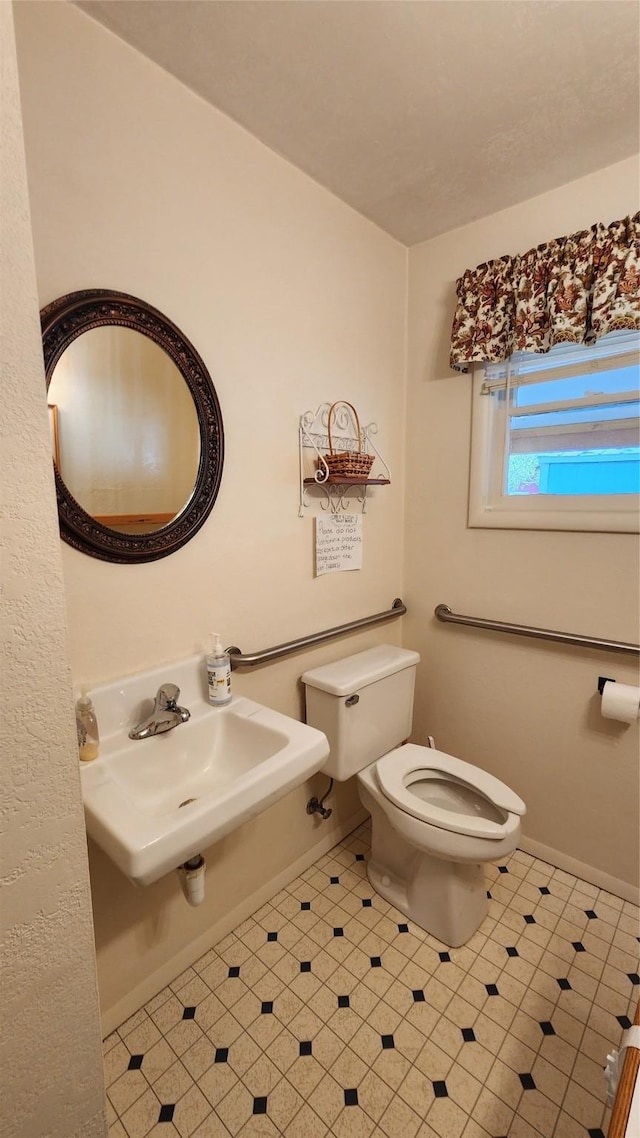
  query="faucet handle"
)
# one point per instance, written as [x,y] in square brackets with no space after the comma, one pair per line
[167,696]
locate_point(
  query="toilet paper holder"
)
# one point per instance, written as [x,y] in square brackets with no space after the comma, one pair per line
[602,680]
[619,701]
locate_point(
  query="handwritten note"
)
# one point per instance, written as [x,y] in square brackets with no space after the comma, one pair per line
[338,543]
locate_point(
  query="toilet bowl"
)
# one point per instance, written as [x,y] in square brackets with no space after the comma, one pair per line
[464,813]
[436,820]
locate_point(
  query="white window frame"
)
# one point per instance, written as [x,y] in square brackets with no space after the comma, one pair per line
[490,507]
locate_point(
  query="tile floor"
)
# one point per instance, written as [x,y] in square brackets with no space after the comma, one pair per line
[328,1013]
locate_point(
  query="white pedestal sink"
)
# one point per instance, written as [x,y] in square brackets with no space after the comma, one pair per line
[151,804]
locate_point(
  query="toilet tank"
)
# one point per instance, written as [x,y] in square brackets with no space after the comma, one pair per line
[363,704]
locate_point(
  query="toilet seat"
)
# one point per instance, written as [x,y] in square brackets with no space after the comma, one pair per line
[400,768]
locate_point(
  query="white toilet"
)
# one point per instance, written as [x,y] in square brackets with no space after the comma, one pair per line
[435,818]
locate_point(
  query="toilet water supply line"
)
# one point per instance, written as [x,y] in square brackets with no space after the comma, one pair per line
[191,876]
[317,806]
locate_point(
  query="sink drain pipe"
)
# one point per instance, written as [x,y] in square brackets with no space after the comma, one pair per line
[191,876]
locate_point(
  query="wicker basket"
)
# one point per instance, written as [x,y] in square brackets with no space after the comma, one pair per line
[349,463]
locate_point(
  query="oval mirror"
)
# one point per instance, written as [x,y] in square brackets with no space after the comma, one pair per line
[137,430]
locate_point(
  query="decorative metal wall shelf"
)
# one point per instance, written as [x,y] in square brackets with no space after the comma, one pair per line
[317,486]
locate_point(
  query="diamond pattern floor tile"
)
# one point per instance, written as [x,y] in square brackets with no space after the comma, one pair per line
[329,1014]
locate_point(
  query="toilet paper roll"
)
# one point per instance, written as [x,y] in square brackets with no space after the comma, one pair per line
[621,702]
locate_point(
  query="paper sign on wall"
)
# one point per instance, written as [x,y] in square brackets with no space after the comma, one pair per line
[338,543]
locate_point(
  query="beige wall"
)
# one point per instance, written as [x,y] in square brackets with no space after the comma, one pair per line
[291,299]
[50,1054]
[526,711]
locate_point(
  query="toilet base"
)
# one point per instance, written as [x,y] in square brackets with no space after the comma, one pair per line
[446,899]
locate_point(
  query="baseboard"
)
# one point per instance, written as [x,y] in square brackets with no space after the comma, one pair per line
[580,869]
[147,989]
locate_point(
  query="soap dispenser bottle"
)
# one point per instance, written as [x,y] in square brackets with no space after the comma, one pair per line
[87,727]
[218,673]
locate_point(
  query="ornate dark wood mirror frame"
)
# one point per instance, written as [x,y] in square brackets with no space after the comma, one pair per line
[62,322]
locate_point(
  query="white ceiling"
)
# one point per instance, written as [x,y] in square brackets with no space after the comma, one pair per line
[422,114]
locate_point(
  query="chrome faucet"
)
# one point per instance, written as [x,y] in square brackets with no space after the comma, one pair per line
[165,715]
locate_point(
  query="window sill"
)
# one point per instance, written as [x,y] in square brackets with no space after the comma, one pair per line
[543,514]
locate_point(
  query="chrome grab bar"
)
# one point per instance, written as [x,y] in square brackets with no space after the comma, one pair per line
[249,660]
[444,613]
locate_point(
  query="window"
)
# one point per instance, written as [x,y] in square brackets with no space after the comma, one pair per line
[555,439]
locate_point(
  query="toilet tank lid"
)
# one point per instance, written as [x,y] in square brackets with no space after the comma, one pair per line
[347,675]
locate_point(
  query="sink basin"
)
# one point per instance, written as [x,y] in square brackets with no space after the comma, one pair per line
[151,804]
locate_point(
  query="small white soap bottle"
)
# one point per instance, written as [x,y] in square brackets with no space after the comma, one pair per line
[87,728]
[218,673]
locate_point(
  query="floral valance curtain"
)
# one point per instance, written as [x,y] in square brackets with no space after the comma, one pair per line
[573,289]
